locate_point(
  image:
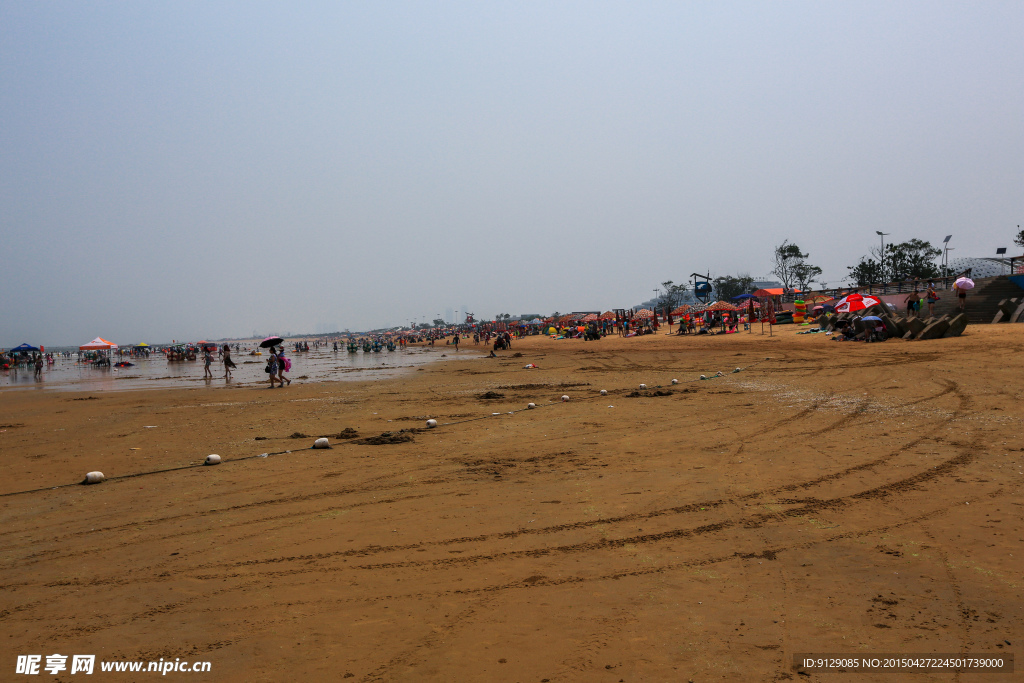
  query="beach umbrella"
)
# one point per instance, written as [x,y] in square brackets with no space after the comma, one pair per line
[818,308]
[964,283]
[744,296]
[142,345]
[24,347]
[271,341]
[856,302]
[721,306]
[643,313]
[871,318]
[589,318]
[818,298]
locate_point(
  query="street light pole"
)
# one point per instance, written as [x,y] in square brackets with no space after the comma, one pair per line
[881,255]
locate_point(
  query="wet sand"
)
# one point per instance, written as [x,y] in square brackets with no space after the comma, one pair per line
[837,497]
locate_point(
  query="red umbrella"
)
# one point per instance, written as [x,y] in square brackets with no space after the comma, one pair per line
[856,302]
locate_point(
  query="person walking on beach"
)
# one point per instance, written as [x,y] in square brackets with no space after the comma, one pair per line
[228,363]
[455,341]
[961,294]
[207,359]
[932,297]
[911,302]
[273,365]
[283,365]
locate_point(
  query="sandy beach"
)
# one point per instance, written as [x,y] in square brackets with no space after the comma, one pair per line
[828,498]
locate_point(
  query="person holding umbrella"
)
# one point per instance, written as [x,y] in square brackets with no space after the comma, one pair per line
[960,288]
[273,364]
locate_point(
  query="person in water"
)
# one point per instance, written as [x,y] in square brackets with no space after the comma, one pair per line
[228,363]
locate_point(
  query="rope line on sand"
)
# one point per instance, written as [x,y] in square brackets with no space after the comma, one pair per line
[143,474]
[703,378]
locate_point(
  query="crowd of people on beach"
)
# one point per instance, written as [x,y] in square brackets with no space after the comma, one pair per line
[720,318]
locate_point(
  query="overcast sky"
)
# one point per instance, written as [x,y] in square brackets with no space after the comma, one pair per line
[205,169]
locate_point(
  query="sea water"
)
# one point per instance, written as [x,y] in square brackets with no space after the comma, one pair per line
[155,372]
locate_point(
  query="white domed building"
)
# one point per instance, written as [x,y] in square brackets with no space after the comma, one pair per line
[980,267]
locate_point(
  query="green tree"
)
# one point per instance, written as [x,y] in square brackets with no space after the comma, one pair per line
[728,286]
[866,272]
[1019,239]
[910,260]
[673,295]
[439,322]
[913,260]
[791,266]
[804,274]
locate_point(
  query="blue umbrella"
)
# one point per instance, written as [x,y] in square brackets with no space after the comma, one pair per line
[744,296]
[24,347]
[871,317]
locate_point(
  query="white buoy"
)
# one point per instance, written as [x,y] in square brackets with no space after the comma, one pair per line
[736,370]
[322,442]
[675,381]
[604,392]
[703,377]
[93,478]
[564,398]
[431,423]
[212,459]
[643,386]
[531,406]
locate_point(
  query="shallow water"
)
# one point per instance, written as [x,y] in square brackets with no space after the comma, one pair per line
[322,365]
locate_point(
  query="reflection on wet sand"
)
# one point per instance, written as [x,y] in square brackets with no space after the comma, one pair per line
[156,373]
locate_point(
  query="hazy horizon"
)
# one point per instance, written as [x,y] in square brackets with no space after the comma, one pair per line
[194,170]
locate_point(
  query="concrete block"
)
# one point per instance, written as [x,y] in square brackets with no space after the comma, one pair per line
[956,326]
[1007,307]
[935,330]
[915,326]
